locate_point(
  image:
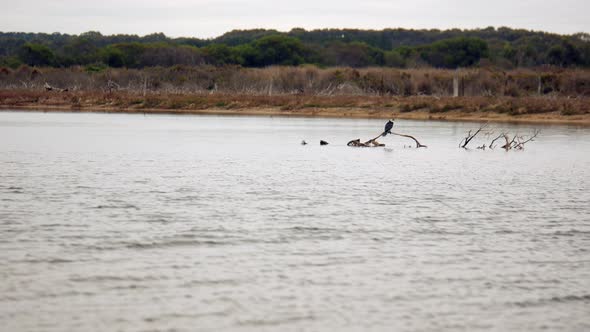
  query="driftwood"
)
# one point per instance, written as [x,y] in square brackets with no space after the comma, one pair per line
[418,144]
[51,88]
[373,142]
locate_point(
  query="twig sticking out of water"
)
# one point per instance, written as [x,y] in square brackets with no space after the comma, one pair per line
[469,137]
[518,142]
[495,139]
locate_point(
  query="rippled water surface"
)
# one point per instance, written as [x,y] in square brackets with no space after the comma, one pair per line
[115,222]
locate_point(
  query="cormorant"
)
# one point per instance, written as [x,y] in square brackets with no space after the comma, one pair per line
[388,127]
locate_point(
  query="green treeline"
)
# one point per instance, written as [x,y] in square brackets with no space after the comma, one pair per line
[401,48]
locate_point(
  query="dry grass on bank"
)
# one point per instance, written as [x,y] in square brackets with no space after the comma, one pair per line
[306,80]
[576,109]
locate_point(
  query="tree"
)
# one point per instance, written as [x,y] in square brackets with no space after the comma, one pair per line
[455,52]
[36,55]
[353,54]
[112,57]
[394,59]
[123,55]
[170,55]
[81,50]
[220,54]
[276,50]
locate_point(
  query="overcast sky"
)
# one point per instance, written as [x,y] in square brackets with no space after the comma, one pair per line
[210,18]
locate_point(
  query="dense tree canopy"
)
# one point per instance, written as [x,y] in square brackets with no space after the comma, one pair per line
[455,52]
[36,55]
[503,47]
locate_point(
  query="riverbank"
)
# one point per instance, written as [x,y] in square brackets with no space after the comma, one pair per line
[558,110]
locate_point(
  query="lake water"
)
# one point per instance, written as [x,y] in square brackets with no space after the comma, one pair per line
[120,222]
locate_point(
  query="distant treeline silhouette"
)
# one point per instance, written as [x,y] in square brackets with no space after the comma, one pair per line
[401,48]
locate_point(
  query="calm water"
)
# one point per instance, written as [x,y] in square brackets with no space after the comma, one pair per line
[114,222]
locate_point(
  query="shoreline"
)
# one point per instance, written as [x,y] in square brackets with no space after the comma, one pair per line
[531,110]
[553,118]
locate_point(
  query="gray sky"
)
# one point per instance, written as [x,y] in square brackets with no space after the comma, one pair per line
[209,18]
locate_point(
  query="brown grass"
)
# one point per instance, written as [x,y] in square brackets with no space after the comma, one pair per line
[308,80]
[540,109]
[544,94]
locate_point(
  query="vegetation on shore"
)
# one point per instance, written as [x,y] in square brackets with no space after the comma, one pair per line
[528,109]
[401,48]
[505,73]
[307,90]
[308,80]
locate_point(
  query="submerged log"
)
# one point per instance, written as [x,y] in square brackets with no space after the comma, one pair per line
[356,142]
[368,144]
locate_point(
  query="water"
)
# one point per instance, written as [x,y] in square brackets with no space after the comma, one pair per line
[114,222]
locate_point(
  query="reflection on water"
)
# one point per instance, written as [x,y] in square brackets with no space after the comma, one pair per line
[153,223]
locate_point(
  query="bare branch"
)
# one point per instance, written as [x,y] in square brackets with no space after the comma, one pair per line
[470,136]
[418,144]
[495,139]
[521,144]
[509,144]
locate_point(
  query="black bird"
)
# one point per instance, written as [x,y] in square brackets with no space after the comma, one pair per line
[388,127]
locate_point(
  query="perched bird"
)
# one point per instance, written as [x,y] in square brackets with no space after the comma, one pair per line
[388,127]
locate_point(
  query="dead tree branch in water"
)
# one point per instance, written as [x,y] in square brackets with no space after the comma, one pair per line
[418,144]
[495,139]
[509,143]
[470,136]
[373,142]
[536,132]
[517,141]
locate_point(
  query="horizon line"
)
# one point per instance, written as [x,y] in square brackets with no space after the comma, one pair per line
[296,28]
